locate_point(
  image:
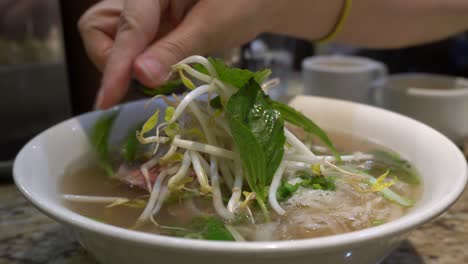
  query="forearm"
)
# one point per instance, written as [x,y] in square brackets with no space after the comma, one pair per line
[377,23]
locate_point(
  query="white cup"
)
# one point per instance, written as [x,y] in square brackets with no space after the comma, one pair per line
[343,77]
[437,100]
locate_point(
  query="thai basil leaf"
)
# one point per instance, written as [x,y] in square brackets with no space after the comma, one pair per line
[99,137]
[296,118]
[261,76]
[237,77]
[268,127]
[251,152]
[258,131]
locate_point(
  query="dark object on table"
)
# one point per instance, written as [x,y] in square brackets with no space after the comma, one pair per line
[34,97]
[448,56]
[33,81]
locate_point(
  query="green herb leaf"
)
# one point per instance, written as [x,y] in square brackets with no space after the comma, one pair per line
[296,118]
[261,76]
[285,191]
[237,77]
[258,131]
[200,68]
[251,152]
[316,182]
[131,144]
[209,228]
[384,160]
[319,183]
[99,139]
[215,230]
[168,88]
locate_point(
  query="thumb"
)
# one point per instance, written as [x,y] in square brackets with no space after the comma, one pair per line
[152,67]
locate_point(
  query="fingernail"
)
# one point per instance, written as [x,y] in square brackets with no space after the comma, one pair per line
[154,72]
[99,100]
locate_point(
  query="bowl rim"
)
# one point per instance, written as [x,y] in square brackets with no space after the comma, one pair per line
[346,240]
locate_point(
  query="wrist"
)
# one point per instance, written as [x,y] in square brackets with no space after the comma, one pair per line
[304,18]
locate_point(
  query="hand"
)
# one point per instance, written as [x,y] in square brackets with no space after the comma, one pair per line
[144,38]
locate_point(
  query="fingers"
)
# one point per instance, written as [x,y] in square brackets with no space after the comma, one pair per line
[98,27]
[137,27]
[208,27]
[152,68]
[97,45]
[178,9]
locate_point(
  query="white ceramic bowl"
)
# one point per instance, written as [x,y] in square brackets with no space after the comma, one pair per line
[40,164]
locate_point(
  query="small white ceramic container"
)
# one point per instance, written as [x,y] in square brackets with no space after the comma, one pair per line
[437,100]
[39,166]
[343,77]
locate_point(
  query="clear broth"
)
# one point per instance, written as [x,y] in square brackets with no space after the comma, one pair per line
[302,219]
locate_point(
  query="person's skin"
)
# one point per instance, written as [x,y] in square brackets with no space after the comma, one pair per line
[143,38]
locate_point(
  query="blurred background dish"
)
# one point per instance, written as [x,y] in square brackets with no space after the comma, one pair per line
[343,77]
[440,101]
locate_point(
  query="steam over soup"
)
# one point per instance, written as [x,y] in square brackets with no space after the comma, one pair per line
[237,166]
